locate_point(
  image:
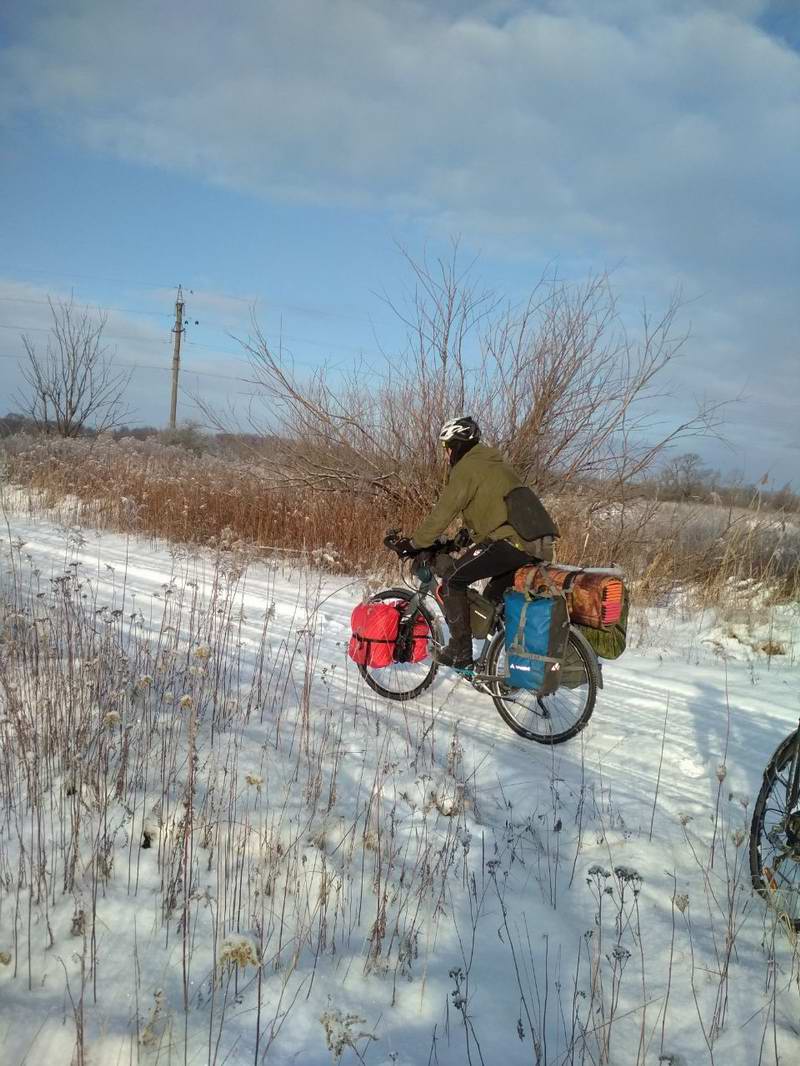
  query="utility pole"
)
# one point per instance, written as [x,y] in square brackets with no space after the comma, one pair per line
[176,356]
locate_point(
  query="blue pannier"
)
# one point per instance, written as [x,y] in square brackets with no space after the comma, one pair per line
[537,630]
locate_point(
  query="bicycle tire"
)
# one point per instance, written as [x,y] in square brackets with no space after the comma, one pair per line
[545,705]
[398,669]
[768,834]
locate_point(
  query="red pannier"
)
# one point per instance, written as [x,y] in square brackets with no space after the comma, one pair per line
[419,643]
[375,627]
[376,639]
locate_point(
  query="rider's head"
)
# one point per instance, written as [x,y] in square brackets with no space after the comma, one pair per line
[458,435]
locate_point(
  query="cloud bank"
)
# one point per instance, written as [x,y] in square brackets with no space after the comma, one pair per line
[661,133]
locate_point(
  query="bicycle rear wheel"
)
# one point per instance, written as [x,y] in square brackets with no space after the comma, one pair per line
[405,681]
[775,833]
[547,719]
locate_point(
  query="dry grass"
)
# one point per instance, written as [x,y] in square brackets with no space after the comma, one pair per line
[715,551]
[169,492]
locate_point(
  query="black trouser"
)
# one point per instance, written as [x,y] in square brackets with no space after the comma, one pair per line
[497,559]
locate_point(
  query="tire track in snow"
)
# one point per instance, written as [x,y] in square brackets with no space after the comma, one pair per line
[621,741]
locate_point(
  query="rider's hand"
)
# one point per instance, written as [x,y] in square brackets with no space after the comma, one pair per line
[404,548]
[463,538]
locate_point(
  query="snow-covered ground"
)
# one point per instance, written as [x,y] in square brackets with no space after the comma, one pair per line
[246,855]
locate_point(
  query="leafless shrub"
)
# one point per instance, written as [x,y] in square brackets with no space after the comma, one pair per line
[556,383]
[72,385]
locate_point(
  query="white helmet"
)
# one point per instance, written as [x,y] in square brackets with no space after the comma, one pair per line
[460,429]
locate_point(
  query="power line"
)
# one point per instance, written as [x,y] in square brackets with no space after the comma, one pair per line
[200,293]
[123,310]
[224,351]
[111,337]
[249,300]
[186,370]
[197,344]
[290,337]
[95,277]
[155,340]
[152,366]
[138,284]
[116,337]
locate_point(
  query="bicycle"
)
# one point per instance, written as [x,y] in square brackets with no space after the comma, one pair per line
[548,719]
[775,833]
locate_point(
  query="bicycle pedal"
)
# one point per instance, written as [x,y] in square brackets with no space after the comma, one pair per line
[465,671]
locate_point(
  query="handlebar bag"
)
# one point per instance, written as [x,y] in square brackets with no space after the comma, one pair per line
[374,634]
[595,597]
[537,630]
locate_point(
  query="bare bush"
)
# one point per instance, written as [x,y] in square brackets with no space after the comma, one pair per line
[73,385]
[557,384]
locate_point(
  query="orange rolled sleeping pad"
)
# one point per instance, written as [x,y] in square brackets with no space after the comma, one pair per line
[594,598]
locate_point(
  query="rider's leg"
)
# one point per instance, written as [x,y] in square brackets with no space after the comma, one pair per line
[496,588]
[458,651]
[489,559]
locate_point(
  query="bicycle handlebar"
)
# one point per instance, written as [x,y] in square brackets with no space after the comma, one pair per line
[461,540]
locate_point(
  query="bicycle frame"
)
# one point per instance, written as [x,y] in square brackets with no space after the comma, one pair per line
[428,588]
[474,674]
[565,716]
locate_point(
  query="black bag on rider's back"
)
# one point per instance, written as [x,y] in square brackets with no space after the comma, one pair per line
[528,515]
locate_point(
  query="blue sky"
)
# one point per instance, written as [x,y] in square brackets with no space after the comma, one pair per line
[274,154]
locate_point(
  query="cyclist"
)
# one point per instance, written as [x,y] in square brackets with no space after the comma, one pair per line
[478,482]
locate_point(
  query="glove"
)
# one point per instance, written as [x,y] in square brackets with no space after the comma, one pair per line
[405,548]
[463,538]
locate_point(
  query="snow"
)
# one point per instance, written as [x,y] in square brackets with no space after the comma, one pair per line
[394,883]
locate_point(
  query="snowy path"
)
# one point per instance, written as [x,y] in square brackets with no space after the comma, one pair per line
[538,812]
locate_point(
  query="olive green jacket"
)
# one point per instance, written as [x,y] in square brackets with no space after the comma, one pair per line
[476,489]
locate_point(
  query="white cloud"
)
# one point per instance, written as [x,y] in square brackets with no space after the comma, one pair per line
[577,123]
[663,133]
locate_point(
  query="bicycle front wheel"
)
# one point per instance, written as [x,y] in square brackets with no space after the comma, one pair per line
[775,833]
[405,681]
[547,719]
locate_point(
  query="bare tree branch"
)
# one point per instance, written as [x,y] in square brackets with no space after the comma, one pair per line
[556,382]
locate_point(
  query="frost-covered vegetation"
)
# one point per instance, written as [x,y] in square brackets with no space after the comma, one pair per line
[216,845]
[196,497]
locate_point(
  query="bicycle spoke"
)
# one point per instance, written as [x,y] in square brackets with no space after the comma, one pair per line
[404,680]
[550,718]
[775,844]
